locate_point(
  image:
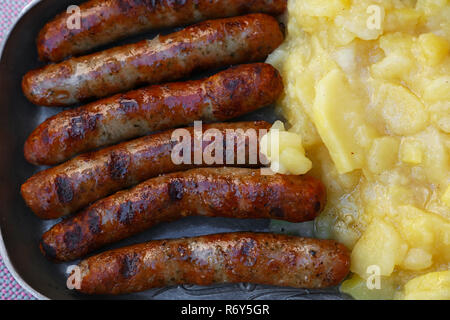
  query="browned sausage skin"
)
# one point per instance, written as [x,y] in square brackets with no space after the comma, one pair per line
[214,192]
[226,95]
[105,21]
[260,258]
[207,45]
[66,188]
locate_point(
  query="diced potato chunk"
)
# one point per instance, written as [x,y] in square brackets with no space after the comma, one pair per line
[434,48]
[431,286]
[404,19]
[417,259]
[424,230]
[285,151]
[380,245]
[438,90]
[436,162]
[411,151]
[324,8]
[393,66]
[431,5]
[295,161]
[397,42]
[383,154]
[337,113]
[416,227]
[402,111]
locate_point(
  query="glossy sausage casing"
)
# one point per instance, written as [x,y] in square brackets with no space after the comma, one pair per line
[260,258]
[214,192]
[226,95]
[104,21]
[66,188]
[205,46]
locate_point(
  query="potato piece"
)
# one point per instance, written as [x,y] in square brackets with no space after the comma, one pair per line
[295,161]
[290,140]
[324,8]
[417,259]
[397,42]
[431,6]
[431,286]
[285,151]
[436,162]
[424,230]
[416,227]
[403,19]
[434,48]
[440,115]
[383,154]
[438,90]
[411,151]
[380,245]
[337,114]
[402,111]
[278,125]
[392,67]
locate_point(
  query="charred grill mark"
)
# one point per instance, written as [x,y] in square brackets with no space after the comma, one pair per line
[72,237]
[64,189]
[126,213]
[176,191]
[94,222]
[81,125]
[129,265]
[233,84]
[128,105]
[118,165]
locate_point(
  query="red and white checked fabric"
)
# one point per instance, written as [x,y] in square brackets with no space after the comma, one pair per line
[9,288]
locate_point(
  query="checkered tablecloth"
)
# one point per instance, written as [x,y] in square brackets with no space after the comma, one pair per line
[9,288]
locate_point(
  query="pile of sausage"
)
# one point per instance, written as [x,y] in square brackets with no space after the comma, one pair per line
[108,145]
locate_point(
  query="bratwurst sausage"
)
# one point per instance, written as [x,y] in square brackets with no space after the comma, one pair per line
[207,45]
[260,258]
[226,95]
[66,188]
[106,21]
[214,192]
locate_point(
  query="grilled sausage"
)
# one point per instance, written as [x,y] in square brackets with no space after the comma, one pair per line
[260,258]
[66,188]
[213,192]
[223,96]
[103,22]
[207,45]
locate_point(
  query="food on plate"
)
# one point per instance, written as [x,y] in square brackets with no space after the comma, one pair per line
[226,95]
[367,88]
[285,151]
[214,192]
[66,188]
[103,22]
[432,285]
[207,45]
[261,258]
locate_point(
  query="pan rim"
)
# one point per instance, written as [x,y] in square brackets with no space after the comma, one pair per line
[3,251]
